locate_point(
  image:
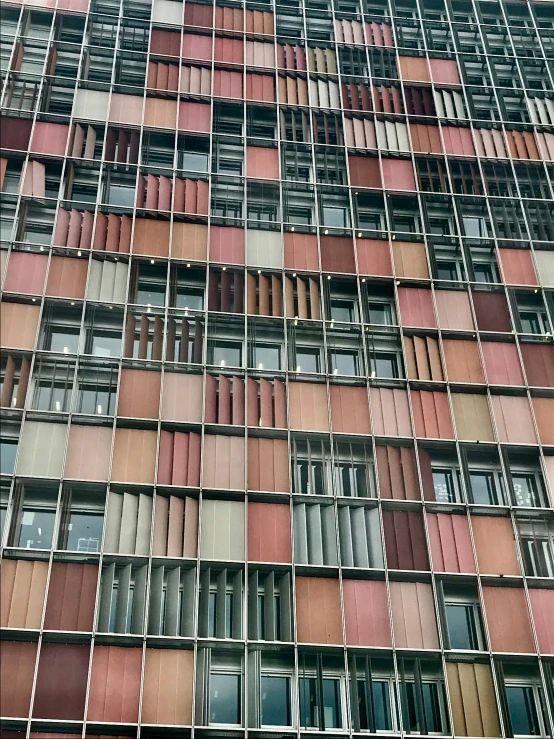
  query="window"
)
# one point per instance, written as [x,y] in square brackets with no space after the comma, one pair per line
[532,314]
[528,489]
[463,618]
[308,359]
[35,518]
[266,356]
[475,227]
[225,698]
[447,484]
[344,362]
[344,310]
[228,614]
[430,712]
[354,476]
[537,547]
[275,700]
[122,192]
[310,460]
[335,216]
[384,364]
[151,285]
[524,704]
[81,520]
[320,705]
[62,339]
[96,391]
[486,487]
[226,353]
[380,313]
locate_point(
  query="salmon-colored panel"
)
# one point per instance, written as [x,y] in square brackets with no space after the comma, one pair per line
[308,406]
[463,363]
[268,465]
[366,613]
[269,538]
[139,393]
[431,415]
[544,416]
[458,141]
[398,174]
[500,559]
[508,619]
[318,612]
[337,254]
[374,257]
[128,108]
[450,543]
[189,241]
[542,607]
[134,455]
[227,245]
[88,452]
[514,423]
[67,277]
[262,162]
[115,684]
[17,670]
[445,71]
[538,361]
[416,307]
[197,46]
[22,584]
[517,265]
[414,68]
[18,325]
[151,237]
[194,117]
[502,363]
[260,87]
[71,597]
[49,138]
[167,690]
[413,615]
[390,412]
[349,409]
[301,251]
[26,273]
[61,682]
[453,310]
[491,312]
[182,398]
[397,473]
[223,462]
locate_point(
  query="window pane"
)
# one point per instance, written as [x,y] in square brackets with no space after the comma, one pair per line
[85,532]
[380,314]
[106,344]
[267,356]
[190,297]
[526,489]
[275,693]
[226,355]
[310,709]
[523,711]
[308,360]
[37,529]
[8,451]
[443,482]
[484,488]
[462,629]
[64,340]
[343,310]
[224,699]
[344,363]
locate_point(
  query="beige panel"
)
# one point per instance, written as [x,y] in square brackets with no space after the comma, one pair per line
[473,700]
[23,584]
[18,325]
[472,417]
[167,690]
[41,449]
[134,455]
[222,530]
[413,615]
[182,398]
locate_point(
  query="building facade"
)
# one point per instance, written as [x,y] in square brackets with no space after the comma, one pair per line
[277,447]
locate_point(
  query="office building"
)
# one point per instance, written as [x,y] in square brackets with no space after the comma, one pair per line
[277,447]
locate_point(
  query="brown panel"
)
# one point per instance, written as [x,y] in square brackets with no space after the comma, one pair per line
[268,465]
[502,363]
[508,620]
[453,310]
[134,455]
[349,409]
[88,452]
[182,398]
[491,312]
[223,462]
[542,607]
[538,361]
[269,537]
[115,684]
[366,613]
[301,251]
[139,393]
[414,68]
[71,597]
[405,540]
[167,689]
[23,584]
[189,241]
[463,363]
[500,559]
[472,417]
[410,260]
[18,324]
[413,615]
[151,237]
[450,542]
[61,682]
[318,611]
[397,473]
[17,669]
[308,406]
[431,414]
[67,277]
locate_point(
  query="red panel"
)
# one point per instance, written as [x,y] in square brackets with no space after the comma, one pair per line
[26,273]
[301,251]
[364,171]
[450,543]
[165,458]
[542,607]
[491,312]
[262,162]
[280,404]
[197,46]
[337,254]
[266,405]
[517,265]
[502,363]
[164,193]
[374,257]
[269,538]
[366,613]
[49,138]
[14,133]
[61,682]
[458,141]
[227,245]
[167,43]
[508,619]
[238,401]
[445,71]
[431,415]
[17,669]
[224,406]
[260,87]
[416,307]
[194,117]
[538,361]
[398,174]
[115,684]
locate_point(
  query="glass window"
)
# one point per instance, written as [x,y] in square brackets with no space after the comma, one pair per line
[85,532]
[381,694]
[344,310]
[122,195]
[151,287]
[527,489]
[105,343]
[50,396]
[345,362]
[538,555]
[275,700]
[447,271]
[531,322]
[335,216]
[310,708]
[267,356]
[225,698]
[37,529]
[352,480]
[431,708]
[8,451]
[524,713]
[309,477]
[464,625]
[63,339]
[486,487]
[96,400]
[227,353]
[308,359]
[380,314]
[190,297]
[475,226]
[485,272]
[385,364]
[446,484]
